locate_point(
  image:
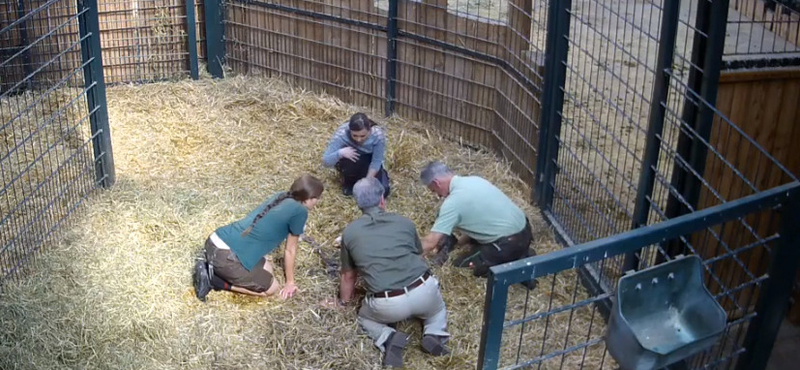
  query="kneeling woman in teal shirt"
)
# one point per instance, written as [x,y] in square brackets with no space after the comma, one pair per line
[236,253]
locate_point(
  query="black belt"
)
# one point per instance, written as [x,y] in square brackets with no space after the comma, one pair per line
[397,292]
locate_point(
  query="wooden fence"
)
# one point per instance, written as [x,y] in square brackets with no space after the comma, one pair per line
[765,106]
[470,97]
[142,40]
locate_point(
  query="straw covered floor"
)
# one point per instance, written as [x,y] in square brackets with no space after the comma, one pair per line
[115,290]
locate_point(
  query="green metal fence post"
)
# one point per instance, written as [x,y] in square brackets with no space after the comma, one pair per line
[215,37]
[494,313]
[557,49]
[91,54]
[391,56]
[666,51]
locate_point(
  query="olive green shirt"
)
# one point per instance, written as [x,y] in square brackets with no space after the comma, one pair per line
[384,248]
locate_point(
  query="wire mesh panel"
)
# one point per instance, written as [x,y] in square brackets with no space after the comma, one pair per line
[338,46]
[608,86]
[764,31]
[475,69]
[562,324]
[46,144]
[144,40]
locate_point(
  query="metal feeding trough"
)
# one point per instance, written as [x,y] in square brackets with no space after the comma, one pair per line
[662,315]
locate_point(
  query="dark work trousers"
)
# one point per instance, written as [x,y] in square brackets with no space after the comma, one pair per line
[503,250]
[353,171]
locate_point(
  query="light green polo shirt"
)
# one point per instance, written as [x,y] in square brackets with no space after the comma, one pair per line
[478,209]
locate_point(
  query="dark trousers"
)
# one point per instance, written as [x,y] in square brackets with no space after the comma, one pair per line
[503,250]
[353,171]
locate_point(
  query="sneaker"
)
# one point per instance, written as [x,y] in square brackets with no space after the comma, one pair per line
[202,281]
[434,345]
[394,346]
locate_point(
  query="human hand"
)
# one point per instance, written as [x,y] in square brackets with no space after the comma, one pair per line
[349,153]
[289,290]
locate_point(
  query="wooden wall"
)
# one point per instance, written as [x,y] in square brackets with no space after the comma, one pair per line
[142,40]
[466,97]
[764,105]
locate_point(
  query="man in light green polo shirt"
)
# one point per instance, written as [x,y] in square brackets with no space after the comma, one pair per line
[494,228]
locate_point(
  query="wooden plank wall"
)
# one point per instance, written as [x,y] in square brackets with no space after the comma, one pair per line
[341,60]
[764,104]
[466,98]
[141,40]
[781,20]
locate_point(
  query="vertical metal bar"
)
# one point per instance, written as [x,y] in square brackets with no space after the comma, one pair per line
[553,101]
[658,103]
[27,66]
[705,119]
[91,54]
[494,313]
[706,56]
[191,33]
[774,297]
[215,37]
[391,57]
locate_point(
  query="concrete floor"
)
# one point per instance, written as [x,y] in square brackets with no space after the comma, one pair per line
[786,353]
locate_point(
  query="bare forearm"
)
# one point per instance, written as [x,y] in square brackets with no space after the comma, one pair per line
[431,242]
[288,264]
[347,286]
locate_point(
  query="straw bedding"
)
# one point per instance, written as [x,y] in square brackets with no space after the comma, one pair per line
[115,291]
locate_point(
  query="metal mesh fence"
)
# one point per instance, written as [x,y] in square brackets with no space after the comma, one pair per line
[474,69]
[346,59]
[612,132]
[144,40]
[617,113]
[763,31]
[568,329]
[46,145]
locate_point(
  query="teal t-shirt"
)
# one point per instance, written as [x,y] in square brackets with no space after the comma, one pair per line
[479,209]
[288,217]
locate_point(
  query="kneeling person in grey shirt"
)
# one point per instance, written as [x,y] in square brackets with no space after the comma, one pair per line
[385,249]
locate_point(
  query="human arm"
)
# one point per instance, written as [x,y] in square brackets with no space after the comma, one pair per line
[378,152]
[431,241]
[347,286]
[289,288]
[446,221]
[296,225]
[332,152]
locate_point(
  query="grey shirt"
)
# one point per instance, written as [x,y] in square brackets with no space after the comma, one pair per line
[384,248]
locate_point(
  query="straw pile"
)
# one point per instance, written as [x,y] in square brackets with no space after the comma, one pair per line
[116,292]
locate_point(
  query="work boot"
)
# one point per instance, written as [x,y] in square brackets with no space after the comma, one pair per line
[434,345]
[202,281]
[393,349]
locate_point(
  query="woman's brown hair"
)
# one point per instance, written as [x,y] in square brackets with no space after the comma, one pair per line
[304,188]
